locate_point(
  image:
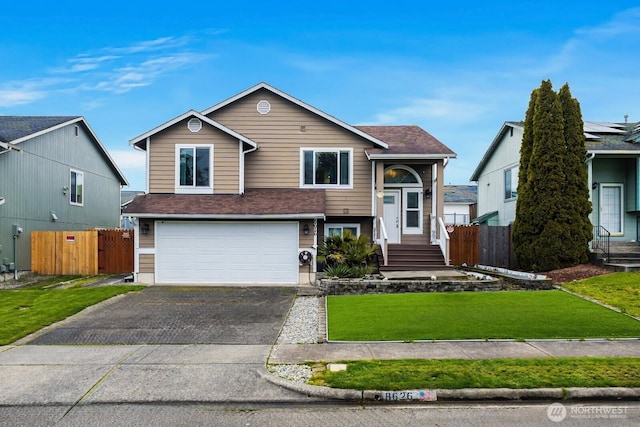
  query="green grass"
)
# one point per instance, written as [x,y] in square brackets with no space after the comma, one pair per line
[25,311]
[414,374]
[474,315]
[620,290]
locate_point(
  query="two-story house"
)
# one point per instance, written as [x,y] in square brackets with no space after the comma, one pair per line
[236,193]
[55,174]
[613,169]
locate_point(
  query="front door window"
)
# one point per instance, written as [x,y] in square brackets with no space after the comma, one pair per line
[611,208]
[412,208]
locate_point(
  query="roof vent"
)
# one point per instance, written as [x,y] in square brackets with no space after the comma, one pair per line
[194,125]
[264,107]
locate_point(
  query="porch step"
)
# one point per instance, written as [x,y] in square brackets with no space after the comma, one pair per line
[623,256]
[405,257]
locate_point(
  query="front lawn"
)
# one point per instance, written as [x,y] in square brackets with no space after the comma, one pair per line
[25,311]
[474,315]
[620,290]
[414,374]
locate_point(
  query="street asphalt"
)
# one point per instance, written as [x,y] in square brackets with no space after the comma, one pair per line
[211,344]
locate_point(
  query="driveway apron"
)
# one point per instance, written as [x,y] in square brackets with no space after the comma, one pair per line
[180,315]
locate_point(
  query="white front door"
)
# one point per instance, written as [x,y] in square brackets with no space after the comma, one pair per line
[611,212]
[391,215]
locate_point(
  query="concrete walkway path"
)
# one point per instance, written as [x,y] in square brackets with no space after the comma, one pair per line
[299,353]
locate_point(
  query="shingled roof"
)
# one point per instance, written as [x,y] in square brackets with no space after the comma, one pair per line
[407,140]
[16,129]
[268,202]
[13,128]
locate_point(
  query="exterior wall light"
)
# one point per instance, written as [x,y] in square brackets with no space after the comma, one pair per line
[305,229]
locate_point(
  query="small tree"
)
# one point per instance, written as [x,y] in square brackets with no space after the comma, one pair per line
[551,222]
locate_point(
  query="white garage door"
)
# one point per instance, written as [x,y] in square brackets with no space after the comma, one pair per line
[226,252]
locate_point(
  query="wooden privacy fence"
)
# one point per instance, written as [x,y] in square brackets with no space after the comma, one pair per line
[495,245]
[463,242]
[88,252]
[481,244]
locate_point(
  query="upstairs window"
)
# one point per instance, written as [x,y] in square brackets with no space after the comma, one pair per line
[76,188]
[511,183]
[324,168]
[194,168]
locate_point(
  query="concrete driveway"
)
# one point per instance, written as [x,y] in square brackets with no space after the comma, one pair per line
[180,315]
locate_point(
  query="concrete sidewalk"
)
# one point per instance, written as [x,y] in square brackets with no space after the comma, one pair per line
[208,373]
[331,352]
[73,375]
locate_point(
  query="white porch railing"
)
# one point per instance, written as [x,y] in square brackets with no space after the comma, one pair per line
[383,240]
[444,241]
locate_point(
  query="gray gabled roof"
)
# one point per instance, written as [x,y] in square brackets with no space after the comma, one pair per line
[13,128]
[16,129]
[494,144]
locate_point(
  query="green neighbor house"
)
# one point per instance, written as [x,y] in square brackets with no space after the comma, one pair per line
[613,169]
[54,175]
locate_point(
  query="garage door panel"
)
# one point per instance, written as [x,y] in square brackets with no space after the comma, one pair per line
[216,252]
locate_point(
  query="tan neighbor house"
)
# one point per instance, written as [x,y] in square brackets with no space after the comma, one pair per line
[236,193]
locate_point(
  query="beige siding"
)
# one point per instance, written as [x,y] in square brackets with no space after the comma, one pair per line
[147,240]
[147,263]
[305,241]
[226,164]
[280,135]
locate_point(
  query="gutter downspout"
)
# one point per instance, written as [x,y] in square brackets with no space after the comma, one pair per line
[242,154]
[147,161]
[589,163]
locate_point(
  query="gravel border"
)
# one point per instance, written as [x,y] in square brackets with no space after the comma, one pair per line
[301,327]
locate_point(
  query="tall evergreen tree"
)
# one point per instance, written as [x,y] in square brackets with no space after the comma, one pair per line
[524,232]
[578,206]
[545,229]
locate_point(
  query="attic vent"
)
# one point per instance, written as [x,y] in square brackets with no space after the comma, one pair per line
[264,107]
[194,125]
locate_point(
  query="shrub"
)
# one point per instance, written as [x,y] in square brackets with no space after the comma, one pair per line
[347,255]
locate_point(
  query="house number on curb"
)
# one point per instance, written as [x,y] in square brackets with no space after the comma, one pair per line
[423,395]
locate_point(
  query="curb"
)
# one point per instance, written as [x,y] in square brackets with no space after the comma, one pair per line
[472,394]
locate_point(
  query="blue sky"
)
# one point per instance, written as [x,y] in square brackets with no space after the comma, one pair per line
[458,70]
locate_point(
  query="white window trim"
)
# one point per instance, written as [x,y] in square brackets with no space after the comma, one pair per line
[180,189]
[405,202]
[81,174]
[327,226]
[326,150]
[621,187]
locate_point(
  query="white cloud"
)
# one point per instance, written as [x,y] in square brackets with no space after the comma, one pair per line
[26,91]
[419,110]
[129,159]
[13,97]
[161,43]
[625,22]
